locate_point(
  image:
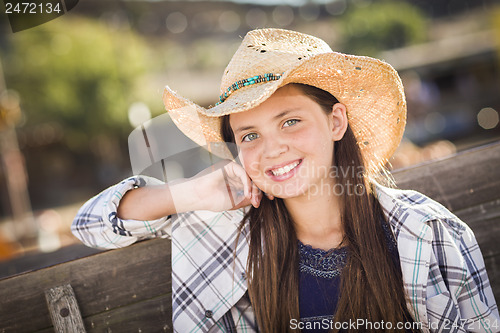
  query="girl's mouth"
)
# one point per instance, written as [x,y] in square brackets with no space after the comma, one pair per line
[285,171]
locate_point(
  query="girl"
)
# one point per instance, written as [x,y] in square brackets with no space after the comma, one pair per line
[299,235]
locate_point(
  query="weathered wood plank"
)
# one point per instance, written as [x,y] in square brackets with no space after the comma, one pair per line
[464,180]
[484,211]
[63,309]
[484,220]
[154,315]
[32,262]
[492,265]
[101,282]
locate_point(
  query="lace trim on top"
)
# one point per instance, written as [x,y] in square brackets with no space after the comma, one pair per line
[321,263]
[317,318]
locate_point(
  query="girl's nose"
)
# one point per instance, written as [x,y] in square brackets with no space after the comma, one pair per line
[275,146]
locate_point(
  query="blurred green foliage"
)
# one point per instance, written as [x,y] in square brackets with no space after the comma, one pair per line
[79,73]
[382,25]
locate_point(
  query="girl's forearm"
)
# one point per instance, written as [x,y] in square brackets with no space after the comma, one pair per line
[154,202]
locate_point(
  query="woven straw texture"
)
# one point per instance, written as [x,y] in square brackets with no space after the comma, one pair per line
[370,89]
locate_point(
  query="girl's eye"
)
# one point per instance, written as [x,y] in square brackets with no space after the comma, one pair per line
[290,122]
[250,137]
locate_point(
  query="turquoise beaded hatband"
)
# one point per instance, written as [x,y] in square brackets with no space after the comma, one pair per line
[248,82]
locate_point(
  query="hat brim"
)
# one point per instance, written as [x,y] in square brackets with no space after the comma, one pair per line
[370,89]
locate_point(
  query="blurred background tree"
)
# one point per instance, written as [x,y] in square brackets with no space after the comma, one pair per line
[383,25]
[77,78]
[78,74]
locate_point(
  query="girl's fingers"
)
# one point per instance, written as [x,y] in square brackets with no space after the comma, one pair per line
[256,195]
[248,187]
[238,178]
[243,179]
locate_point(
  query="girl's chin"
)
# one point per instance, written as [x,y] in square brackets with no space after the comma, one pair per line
[287,193]
[289,196]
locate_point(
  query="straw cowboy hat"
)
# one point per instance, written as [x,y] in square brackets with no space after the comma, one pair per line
[268,59]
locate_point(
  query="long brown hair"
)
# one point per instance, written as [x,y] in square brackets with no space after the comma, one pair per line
[371,282]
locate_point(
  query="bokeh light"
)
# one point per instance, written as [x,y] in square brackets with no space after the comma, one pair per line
[256,18]
[176,22]
[309,12]
[336,7]
[138,113]
[488,118]
[283,15]
[434,122]
[229,21]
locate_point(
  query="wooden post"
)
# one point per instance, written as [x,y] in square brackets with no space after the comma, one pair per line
[13,165]
[64,310]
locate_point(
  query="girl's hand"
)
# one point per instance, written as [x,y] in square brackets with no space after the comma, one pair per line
[223,186]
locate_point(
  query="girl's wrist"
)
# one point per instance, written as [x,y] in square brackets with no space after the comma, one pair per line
[185,195]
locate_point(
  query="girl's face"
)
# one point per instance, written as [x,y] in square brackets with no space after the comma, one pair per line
[286,143]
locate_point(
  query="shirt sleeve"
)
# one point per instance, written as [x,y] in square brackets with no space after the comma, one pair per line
[97,224]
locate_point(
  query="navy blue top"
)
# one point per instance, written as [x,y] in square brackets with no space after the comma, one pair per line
[319,282]
[319,285]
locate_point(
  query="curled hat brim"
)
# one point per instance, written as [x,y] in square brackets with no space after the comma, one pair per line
[370,89]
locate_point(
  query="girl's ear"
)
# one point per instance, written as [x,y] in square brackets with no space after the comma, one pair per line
[338,119]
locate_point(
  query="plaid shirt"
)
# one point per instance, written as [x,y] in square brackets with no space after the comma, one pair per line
[443,269]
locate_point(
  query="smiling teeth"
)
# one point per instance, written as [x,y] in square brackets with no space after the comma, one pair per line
[285,169]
